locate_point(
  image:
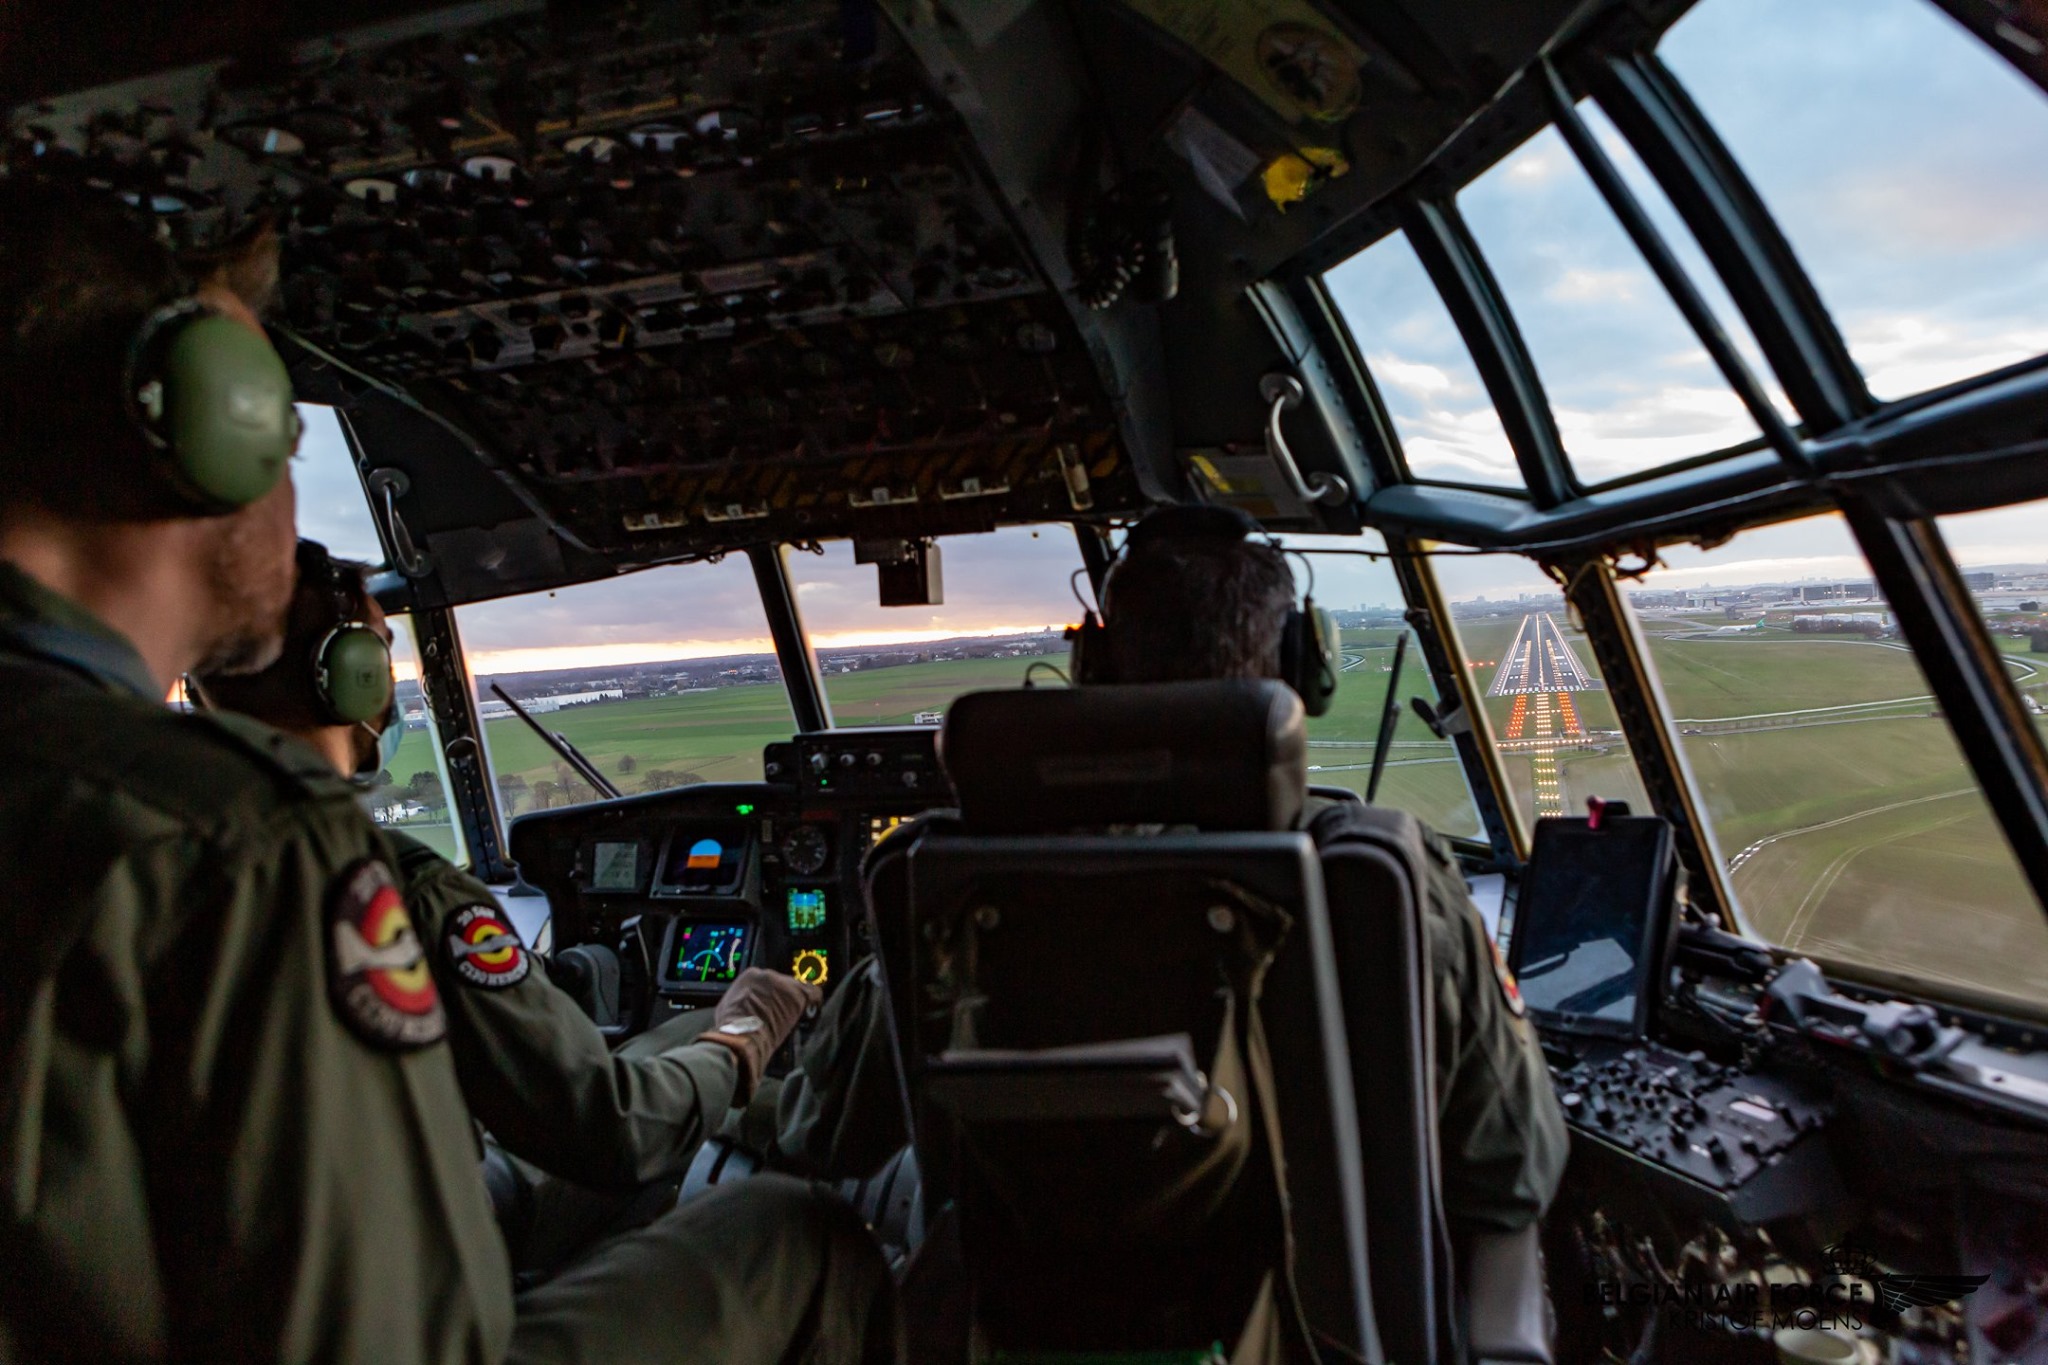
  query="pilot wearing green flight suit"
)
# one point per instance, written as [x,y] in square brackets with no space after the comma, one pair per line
[536,1072]
[230,1124]
[1198,599]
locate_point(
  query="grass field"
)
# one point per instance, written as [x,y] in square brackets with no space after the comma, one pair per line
[1864,839]
[1856,835]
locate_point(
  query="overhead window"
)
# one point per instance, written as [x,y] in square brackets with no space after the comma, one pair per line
[661,679]
[1422,774]
[411,792]
[1554,730]
[1902,159]
[332,505]
[1627,379]
[1009,596]
[1851,828]
[1650,196]
[1446,423]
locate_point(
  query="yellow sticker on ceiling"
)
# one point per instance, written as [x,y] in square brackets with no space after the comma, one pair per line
[1283,51]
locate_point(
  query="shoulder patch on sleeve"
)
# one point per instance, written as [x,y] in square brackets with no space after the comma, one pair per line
[1510,992]
[485,950]
[377,972]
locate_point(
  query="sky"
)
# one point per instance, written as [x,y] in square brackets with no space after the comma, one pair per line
[1902,159]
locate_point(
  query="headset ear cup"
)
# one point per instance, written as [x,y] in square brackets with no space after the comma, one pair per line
[1088,651]
[1309,657]
[353,674]
[214,397]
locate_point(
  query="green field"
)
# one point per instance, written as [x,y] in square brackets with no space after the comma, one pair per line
[1858,835]
[1855,829]
[1855,835]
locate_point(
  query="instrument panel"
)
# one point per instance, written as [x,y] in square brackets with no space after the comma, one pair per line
[693,886]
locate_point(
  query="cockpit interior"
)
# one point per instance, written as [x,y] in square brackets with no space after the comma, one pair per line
[736,400]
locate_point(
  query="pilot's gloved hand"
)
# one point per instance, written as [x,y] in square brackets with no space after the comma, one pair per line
[759,1010]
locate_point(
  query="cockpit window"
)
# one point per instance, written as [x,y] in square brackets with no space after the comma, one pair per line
[2003,554]
[1901,157]
[1423,774]
[411,791]
[333,508]
[1628,381]
[662,679]
[1850,826]
[1554,728]
[1009,595]
[1446,423]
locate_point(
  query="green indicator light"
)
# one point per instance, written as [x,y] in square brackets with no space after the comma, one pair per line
[743,809]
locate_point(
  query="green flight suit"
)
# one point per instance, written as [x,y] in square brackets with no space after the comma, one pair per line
[540,1077]
[1501,1132]
[229,1127]
[535,1069]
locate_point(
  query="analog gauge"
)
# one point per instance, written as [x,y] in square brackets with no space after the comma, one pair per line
[806,850]
[810,965]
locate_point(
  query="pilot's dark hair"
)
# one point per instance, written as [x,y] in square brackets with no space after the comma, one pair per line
[1192,598]
[79,272]
[283,694]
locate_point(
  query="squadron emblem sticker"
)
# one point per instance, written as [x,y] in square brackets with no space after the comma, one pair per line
[377,972]
[484,949]
[1508,989]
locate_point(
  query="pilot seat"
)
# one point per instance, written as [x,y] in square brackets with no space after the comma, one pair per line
[1137,1032]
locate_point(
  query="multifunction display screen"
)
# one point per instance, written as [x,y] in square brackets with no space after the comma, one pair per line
[1591,917]
[615,865]
[806,909]
[711,954]
[707,860]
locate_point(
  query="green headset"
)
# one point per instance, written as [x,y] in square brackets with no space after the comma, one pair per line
[1308,639]
[352,661]
[213,399]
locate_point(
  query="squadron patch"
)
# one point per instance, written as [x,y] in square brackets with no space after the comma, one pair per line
[1510,992]
[484,949]
[377,971]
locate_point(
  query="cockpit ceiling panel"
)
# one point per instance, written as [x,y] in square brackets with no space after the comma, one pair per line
[694,276]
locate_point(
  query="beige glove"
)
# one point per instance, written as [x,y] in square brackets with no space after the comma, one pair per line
[759,1010]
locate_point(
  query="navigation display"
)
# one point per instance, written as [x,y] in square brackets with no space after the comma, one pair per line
[615,865]
[806,909]
[707,954]
[1593,920]
[706,860]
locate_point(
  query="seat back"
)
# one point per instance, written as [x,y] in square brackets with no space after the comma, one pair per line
[1375,869]
[1131,1118]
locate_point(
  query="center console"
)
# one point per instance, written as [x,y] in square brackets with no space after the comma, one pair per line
[694,885]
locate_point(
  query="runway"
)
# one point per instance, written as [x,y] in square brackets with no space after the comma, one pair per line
[1540,659]
[1540,671]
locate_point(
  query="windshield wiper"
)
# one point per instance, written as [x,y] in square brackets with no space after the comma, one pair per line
[569,753]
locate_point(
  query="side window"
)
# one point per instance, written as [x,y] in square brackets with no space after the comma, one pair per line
[2003,554]
[1901,157]
[1009,595]
[1423,774]
[1851,828]
[1554,730]
[1628,381]
[661,679]
[411,792]
[332,506]
[1448,429]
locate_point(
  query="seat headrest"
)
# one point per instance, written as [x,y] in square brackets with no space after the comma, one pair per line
[1226,755]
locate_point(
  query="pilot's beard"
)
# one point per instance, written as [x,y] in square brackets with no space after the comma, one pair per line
[251,588]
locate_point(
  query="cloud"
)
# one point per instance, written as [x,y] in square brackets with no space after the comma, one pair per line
[1410,376]
[1007,582]
[1581,285]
